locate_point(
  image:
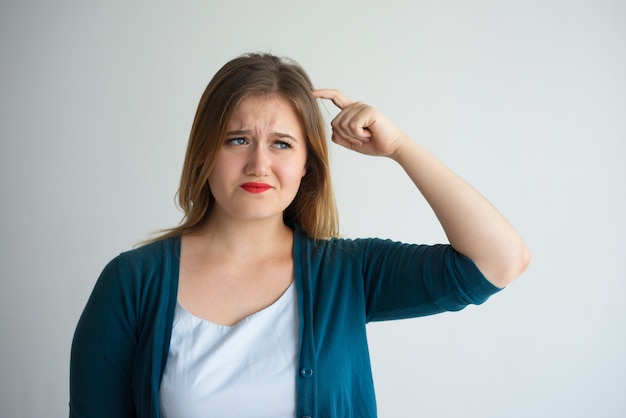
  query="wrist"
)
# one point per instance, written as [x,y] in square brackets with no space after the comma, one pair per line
[406,147]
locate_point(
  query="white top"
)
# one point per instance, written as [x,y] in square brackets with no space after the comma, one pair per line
[247,370]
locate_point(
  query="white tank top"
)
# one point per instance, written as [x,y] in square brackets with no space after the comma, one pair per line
[247,370]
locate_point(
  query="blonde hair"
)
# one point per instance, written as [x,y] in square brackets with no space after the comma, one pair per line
[314,207]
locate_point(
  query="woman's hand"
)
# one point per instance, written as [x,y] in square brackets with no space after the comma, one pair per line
[362,128]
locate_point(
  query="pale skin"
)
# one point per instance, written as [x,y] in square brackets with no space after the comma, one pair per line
[240,261]
[236,265]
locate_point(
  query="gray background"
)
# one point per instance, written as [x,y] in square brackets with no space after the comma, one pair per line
[524,99]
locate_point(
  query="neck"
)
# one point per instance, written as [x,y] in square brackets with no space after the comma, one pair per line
[246,238]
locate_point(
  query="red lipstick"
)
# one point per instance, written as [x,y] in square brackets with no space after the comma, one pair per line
[252,187]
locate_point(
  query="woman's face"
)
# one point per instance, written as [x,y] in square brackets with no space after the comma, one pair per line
[260,165]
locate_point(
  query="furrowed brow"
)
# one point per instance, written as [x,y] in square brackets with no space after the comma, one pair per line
[238,132]
[279,135]
[282,135]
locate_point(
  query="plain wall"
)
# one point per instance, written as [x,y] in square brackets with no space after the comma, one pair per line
[524,99]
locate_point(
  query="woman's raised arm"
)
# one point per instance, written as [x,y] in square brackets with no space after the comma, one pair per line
[473,226]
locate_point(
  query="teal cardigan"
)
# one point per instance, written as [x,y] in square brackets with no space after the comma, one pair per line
[122,338]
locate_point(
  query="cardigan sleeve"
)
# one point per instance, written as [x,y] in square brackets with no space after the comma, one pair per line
[408,280]
[103,349]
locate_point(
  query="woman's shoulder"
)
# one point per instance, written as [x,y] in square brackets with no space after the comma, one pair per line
[149,258]
[344,246]
[165,247]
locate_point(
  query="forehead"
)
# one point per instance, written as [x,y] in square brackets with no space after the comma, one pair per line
[265,110]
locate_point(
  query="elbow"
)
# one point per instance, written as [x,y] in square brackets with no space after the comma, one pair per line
[515,264]
[525,260]
[521,264]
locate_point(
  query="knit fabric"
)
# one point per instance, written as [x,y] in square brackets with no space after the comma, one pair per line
[122,339]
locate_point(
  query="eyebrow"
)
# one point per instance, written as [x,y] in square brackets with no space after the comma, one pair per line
[276,134]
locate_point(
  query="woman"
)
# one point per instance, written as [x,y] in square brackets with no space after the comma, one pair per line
[252,307]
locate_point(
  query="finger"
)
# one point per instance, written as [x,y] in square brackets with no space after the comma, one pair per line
[354,122]
[335,96]
[350,143]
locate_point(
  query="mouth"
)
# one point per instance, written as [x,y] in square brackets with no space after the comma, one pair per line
[255,187]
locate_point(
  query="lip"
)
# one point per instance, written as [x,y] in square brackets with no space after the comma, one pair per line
[252,187]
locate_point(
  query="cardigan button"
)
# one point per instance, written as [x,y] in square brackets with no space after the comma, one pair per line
[306,372]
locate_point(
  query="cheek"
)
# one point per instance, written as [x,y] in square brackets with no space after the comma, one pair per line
[302,165]
[218,177]
[224,167]
[295,172]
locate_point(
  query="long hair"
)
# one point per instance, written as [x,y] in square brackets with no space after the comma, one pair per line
[313,207]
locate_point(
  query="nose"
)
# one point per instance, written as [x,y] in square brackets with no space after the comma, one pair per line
[258,163]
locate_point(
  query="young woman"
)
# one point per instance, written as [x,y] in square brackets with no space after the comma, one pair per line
[253,307]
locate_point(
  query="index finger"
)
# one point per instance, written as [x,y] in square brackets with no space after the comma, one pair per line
[335,96]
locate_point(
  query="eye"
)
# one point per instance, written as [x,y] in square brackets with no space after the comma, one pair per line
[237,141]
[282,145]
